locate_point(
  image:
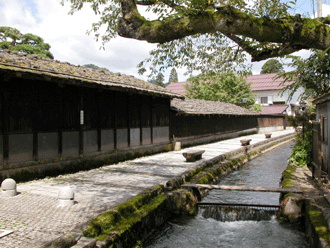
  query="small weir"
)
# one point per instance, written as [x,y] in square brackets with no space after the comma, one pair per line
[238,218]
[237,212]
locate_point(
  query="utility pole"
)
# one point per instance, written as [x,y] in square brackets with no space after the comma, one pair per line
[319,8]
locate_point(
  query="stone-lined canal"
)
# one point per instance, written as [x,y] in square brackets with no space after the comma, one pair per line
[264,171]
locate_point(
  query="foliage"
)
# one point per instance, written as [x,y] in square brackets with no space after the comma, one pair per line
[272,66]
[92,66]
[173,76]
[312,74]
[197,53]
[14,40]
[221,86]
[302,151]
[160,80]
[264,29]
[305,117]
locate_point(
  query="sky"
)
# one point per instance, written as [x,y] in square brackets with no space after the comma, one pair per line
[69,42]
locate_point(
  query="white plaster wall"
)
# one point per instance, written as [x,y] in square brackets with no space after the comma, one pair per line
[276,96]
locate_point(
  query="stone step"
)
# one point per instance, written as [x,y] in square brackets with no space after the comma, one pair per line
[85,242]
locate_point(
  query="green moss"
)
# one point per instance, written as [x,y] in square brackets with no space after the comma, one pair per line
[319,223]
[219,170]
[125,215]
[169,147]
[287,176]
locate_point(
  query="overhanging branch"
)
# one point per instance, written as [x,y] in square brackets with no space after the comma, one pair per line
[291,34]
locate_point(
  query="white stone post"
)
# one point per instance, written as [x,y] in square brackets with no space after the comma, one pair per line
[8,187]
[65,197]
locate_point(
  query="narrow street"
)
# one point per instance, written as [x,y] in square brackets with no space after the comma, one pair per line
[35,218]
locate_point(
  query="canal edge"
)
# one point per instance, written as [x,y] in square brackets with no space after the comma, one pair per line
[310,209]
[159,203]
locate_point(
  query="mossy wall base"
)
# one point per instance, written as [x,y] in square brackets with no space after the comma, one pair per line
[132,221]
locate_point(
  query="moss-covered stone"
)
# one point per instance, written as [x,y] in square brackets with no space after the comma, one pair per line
[287,176]
[125,214]
[318,222]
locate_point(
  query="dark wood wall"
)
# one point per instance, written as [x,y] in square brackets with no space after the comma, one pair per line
[46,120]
[271,120]
[194,125]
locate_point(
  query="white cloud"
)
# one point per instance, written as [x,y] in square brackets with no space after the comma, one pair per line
[325,10]
[256,66]
[67,35]
[16,14]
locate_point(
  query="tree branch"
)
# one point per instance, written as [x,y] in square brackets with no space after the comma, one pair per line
[291,33]
[146,2]
[152,2]
[258,55]
[325,20]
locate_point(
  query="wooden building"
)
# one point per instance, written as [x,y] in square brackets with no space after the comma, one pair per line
[53,112]
[321,134]
[195,121]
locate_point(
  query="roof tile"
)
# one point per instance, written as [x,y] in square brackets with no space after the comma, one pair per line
[274,110]
[177,87]
[43,66]
[266,82]
[203,107]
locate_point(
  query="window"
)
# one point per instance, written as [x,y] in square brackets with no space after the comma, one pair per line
[264,99]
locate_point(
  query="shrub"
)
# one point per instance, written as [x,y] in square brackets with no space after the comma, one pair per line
[302,151]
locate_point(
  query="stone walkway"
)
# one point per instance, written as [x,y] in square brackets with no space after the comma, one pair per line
[35,217]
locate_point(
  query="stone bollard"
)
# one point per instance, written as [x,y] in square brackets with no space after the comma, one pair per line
[65,197]
[245,142]
[8,187]
[268,135]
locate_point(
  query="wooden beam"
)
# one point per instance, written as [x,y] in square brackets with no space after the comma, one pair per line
[241,188]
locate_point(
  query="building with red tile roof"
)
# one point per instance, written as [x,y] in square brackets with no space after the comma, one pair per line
[274,110]
[267,81]
[177,87]
[268,89]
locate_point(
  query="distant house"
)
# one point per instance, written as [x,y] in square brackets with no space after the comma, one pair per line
[196,121]
[268,90]
[274,110]
[177,87]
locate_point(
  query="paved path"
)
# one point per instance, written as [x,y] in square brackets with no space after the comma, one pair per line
[35,217]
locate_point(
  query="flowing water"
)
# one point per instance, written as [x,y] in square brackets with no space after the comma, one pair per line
[237,227]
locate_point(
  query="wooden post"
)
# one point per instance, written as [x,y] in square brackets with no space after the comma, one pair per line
[35,120]
[81,121]
[5,122]
[151,121]
[114,119]
[60,119]
[140,124]
[128,120]
[99,133]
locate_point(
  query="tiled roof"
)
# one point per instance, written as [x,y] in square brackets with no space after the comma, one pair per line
[177,87]
[266,82]
[32,66]
[322,99]
[203,107]
[273,110]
